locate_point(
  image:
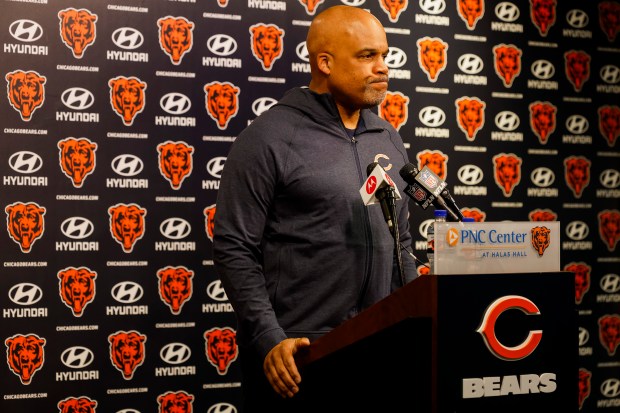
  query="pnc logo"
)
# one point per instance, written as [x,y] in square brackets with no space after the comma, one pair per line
[127,165]
[25,294]
[175,228]
[432,116]
[470,64]
[127,292]
[470,174]
[127,38]
[77,98]
[77,228]
[25,162]
[577,124]
[25,30]
[542,177]
[77,357]
[507,121]
[577,230]
[543,69]
[507,12]
[221,45]
[175,103]
[215,166]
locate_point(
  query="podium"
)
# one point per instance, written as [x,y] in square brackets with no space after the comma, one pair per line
[452,344]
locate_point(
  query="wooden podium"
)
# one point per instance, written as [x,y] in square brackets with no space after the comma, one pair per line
[419,350]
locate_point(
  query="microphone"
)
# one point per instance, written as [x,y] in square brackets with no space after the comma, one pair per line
[426,188]
[379,188]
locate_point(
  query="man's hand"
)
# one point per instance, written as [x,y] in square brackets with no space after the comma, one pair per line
[280,368]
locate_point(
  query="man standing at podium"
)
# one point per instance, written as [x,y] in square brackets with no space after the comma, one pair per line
[297,250]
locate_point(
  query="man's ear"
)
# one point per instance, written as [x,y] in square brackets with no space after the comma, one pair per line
[324,62]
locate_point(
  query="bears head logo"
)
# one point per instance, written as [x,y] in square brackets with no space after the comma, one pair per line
[582,273]
[209,213]
[542,215]
[609,19]
[609,123]
[25,223]
[77,288]
[609,227]
[609,332]
[542,120]
[470,11]
[507,172]
[77,159]
[311,5]
[394,8]
[222,102]
[394,109]
[25,92]
[127,224]
[127,97]
[507,63]
[577,174]
[175,37]
[175,161]
[127,351]
[432,56]
[175,287]
[175,402]
[25,355]
[77,29]
[540,239]
[77,405]
[584,386]
[470,115]
[267,44]
[436,161]
[577,68]
[542,13]
[474,213]
[221,348]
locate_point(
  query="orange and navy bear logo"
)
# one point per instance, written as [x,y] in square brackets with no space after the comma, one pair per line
[222,3]
[77,29]
[25,92]
[609,227]
[25,355]
[542,215]
[394,8]
[77,159]
[541,238]
[507,62]
[222,102]
[585,378]
[394,109]
[470,11]
[175,161]
[175,287]
[209,213]
[77,405]
[470,115]
[475,213]
[582,273]
[609,123]
[311,5]
[609,332]
[267,43]
[25,223]
[175,402]
[423,270]
[507,172]
[542,13]
[127,351]
[77,288]
[432,56]
[542,120]
[221,348]
[436,161]
[609,19]
[577,174]
[175,37]
[577,68]
[127,224]
[127,97]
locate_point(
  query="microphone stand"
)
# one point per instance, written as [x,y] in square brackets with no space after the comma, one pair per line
[391,201]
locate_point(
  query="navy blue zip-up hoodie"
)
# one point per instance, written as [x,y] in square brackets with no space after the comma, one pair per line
[297,250]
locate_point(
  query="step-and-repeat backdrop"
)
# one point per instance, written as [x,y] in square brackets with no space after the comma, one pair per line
[116,123]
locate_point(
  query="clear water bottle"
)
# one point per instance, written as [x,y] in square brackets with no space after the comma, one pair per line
[440,216]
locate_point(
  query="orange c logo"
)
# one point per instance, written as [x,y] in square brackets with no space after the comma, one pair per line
[487,328]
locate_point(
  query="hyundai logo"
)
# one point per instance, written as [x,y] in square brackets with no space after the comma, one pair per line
[77,98]
[215,166]
[507,121]
[610,283]
[470,64]
[433,6]
[610,178]
[127,38]
[175,228]
[25,162]
[432,116]
[542,177]
[395,58]
[227,407]
[77,228]
[216,292]
[128,411]
[77,357]
[470,174]
[543,69]
[175,353]
[423,228]
[127,292]
[578,19]
[26,30]
[611,388]
[302,52]
[610,74]
[507,12]
[175,103]
[25,294]
[222,45]
[577,230]
[261,105]
[353,3]
[584,336]
[577,124]
[127,165]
